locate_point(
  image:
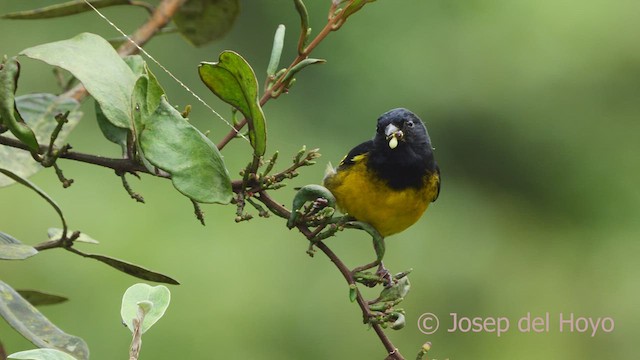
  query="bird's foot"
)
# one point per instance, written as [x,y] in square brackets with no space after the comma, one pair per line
[385,275]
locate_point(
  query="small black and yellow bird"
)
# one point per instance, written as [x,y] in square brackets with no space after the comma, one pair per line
[388,182]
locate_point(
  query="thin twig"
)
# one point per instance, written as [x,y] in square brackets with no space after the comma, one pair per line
[119,165]
[280,210]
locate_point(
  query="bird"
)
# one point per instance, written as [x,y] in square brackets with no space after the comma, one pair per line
[389,181]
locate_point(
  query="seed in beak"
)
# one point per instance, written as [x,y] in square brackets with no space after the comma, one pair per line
[393,143]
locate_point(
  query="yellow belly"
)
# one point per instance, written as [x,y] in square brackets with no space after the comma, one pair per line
[388,210]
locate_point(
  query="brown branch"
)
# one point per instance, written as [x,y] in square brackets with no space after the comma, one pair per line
[280,210]
[121,166]
[160,17]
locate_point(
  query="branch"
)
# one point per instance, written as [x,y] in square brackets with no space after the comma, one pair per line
[280,210]
[121,166]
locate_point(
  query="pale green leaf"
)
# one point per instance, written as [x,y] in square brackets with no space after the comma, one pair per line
[41,354]
[56,234]
[12,249]
[92,60]
[38,112]
[276,50]
[154,300]
[35,327]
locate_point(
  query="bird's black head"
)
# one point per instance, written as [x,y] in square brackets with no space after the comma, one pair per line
[402,153]
[399,128]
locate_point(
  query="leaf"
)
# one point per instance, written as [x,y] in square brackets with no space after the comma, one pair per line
[299,66]
[396,291]
[170,143]
[96,64]
[202,21]
[35,327]
[111,132]
[38,298]
[133,270]
[276,51]
[13,249]
[9,73]
[56,234]
[353,293]
[64,9]
[308,193]
[38,111]
[115,134]
[353,7]
[33,187]
[233,81]
[304,24]
[155,299]
[41,354]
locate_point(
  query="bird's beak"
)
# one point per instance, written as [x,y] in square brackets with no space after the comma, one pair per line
[393,134]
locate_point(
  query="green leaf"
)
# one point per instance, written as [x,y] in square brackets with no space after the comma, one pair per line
[12,249]
[38,111]
[233,81]
[115,134]
[38,298]
[276,51]
[308,193]
[98,66]
[39,191]
[154,300]
[56,234]
[111,132]
[304,24]
[396,291]
[299,66]
[35,327]
[353,7]
[64,9]
[353,293]
[133,270]
[202,21]
[41,354]
[169,142]
[10,116]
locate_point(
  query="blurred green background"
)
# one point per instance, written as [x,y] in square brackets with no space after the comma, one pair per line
[533,107]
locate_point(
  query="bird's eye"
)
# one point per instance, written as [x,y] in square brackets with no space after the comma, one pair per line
[410,123]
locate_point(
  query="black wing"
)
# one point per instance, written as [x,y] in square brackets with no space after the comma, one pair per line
[356,154]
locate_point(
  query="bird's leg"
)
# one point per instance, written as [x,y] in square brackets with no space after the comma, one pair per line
[385,275]
[378,245]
